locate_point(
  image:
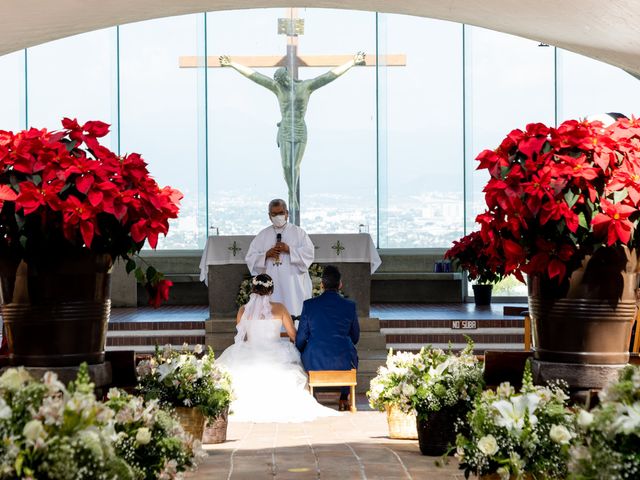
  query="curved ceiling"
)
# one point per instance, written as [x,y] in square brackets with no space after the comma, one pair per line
[605,30]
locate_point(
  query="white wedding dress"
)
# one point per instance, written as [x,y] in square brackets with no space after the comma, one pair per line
[269,381]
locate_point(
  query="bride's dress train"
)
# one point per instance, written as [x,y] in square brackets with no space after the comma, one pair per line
[268,379]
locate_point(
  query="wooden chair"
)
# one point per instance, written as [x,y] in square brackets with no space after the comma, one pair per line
[335,378]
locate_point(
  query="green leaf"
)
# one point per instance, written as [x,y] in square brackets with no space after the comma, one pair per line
[140,276]
[131,266]
[620,195]
[152,274]
[582,220]
[571,198]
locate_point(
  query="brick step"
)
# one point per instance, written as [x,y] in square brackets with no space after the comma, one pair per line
[449,322]
[144,336]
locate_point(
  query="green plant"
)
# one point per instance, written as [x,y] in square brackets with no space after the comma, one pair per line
[182,378]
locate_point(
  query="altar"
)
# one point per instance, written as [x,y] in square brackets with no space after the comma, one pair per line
[222,267]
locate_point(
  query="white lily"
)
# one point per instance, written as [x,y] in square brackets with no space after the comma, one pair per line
[511,413]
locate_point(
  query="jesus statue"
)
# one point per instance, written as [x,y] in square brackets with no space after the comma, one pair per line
[293,98]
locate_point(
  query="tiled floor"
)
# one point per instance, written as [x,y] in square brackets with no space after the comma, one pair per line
[353,446]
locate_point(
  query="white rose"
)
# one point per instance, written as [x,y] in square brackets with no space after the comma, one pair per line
[198,348]
[503,473]
[408,389]
[33,430]
[585,419]
[560,434]
[5,410]
[488,445]
[143,436]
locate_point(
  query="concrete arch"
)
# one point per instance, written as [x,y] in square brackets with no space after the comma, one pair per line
[603,30]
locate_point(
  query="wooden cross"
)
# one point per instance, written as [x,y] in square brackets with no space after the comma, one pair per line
[292,26]
[234,248]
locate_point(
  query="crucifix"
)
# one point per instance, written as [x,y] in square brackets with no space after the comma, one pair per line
[292,93]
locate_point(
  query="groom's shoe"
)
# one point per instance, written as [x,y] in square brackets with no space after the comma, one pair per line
[343,405]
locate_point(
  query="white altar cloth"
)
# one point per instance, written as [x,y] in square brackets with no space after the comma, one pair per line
[329,248]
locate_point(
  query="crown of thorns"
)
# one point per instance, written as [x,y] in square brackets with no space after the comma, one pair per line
[268,283]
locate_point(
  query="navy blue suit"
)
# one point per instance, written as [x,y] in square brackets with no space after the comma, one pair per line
[328,332]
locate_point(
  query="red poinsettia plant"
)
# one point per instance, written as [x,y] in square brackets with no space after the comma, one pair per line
[556,195]
[62,189]
[469,253]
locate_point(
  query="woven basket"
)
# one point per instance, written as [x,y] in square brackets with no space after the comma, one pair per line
[215,431]
[401,425]
[192,420]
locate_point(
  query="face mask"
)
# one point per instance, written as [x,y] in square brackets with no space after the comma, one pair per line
[278,221]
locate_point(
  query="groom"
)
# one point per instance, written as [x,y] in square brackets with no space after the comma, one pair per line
[329,330]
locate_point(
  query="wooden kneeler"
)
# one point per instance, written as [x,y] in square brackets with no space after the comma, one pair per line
[335,378]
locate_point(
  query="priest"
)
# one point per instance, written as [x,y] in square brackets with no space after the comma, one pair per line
[283,251]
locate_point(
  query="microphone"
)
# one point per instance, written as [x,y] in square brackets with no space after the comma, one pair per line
[278,239]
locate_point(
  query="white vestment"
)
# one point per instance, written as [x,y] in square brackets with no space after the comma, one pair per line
[291,281]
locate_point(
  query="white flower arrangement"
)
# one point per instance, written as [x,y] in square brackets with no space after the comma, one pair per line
[608,444]
[518,434]
[393,385]
[427,381]
[51,431]
[184,379]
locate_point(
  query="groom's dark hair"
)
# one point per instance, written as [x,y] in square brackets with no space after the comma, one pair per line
[331,278]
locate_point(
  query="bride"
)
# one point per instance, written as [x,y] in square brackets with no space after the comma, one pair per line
[268,379]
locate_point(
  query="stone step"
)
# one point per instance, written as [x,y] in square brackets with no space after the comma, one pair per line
[372,341]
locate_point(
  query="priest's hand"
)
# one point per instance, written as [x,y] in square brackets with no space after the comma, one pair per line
[273,253]
[282,247]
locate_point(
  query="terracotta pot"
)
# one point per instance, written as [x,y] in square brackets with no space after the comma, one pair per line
[401,425]
[588,319]
[192,420]
[482,294]
[56,309]
[215,431]
[436,432]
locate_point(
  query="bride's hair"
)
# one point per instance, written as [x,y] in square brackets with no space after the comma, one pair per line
[262,284]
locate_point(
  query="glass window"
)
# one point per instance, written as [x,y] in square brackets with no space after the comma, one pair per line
[159,113]
[587,86]
[245,169]
[509,82]
[73,77]
[12,96]
[421,124]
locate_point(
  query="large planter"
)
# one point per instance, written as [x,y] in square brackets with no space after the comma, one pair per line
[215,431]
[436,432]
[482,294]
[192,421]
[401,425]
[581,329]
[590,319]
[56,309]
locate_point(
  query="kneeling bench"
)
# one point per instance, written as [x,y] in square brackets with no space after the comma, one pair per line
[335,378]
